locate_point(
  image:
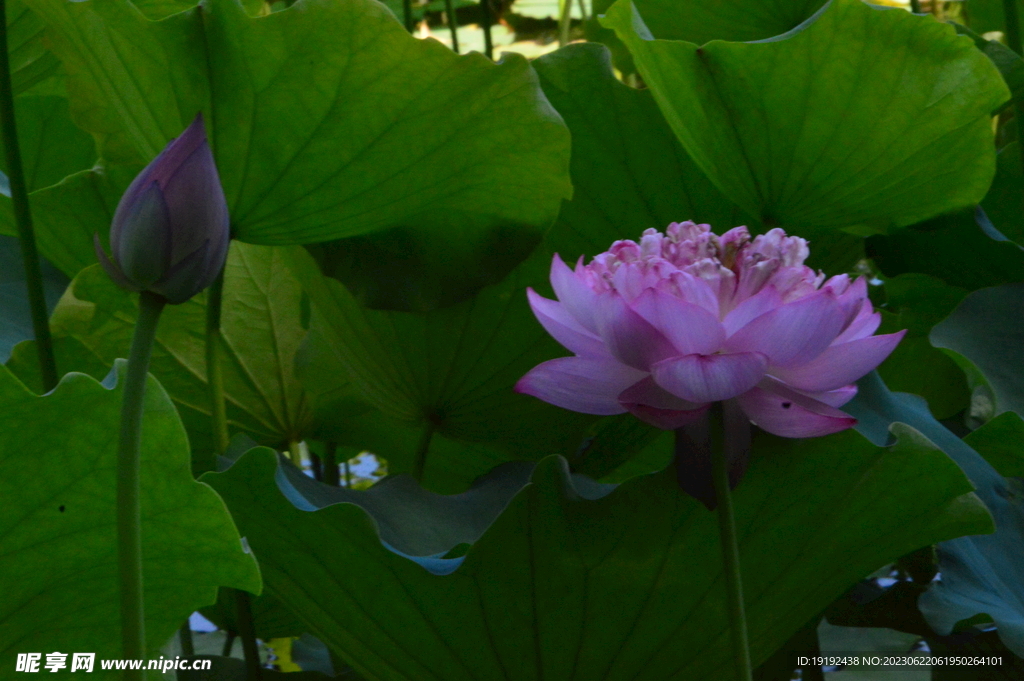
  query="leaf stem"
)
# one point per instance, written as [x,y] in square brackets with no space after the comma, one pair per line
[247,632]
[737,439]
[330,465]
[1012,25]
[229,643]
[215,375]
[564,19]
[295,453]
[1013,41]
[486,19]
[23,215]
[452,25]
[218,414]
[185,637]
[407,12]
[420,462]
[129,507]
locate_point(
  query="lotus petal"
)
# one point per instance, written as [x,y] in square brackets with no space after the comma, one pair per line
[690,328]
[794,333]
[590,386]
[564,328]
[841,364]
[787,413]
[710,378]
[630,338]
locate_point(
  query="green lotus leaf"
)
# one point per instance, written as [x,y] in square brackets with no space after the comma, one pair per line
[737,20]
[861,116]
[68,214]
[988,329]
[57,471]
[31,62]
[52,147]
[917,302]
[330,122]
[261,330]
[1001,442]
[980,573]
[629,171]
[573,583]
[959,248]
[452,370]
[1004,203]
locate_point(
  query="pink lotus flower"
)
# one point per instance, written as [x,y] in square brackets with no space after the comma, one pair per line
[665,327]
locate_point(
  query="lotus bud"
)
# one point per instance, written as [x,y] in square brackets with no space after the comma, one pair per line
[170,232]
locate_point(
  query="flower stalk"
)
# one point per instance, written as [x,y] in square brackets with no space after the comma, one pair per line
[564,22]
[215,375]
[420,462]
[330,464]
[410,25]
[23,216]
[697,460]
[485,13]
[449,11]
[247,632]
[736,443]
[1013,41]
[129,508]
[218,414]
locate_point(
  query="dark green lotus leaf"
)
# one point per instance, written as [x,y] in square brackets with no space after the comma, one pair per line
[60,568]
[861,116]
[341,418]
[1004,203]
[984,16]
[917,302]
[452,369]
[697,21]
[409,518]
[619,447]
[31,62]
[629,171]
[988,329]
[563,587]
[917,367]
[1001,442]
[980,573]
[234,669]
[954,248]
[271,618]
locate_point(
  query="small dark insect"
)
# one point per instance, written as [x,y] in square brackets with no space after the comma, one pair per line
[787,405]
[61,509]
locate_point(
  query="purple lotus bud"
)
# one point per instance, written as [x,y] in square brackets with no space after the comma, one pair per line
[666,327]
[171,231]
